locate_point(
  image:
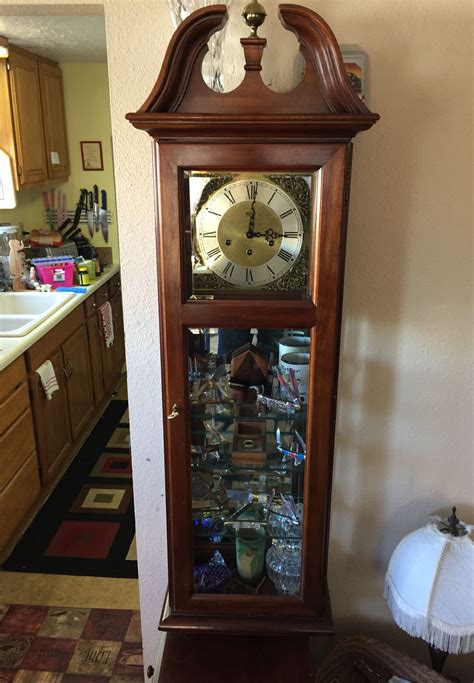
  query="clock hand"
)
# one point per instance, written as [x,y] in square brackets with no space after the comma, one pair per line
[270,235]
[253,211]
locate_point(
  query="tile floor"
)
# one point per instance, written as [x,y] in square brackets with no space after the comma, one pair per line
[40,644]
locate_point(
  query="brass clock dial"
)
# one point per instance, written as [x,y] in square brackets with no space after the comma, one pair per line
[249,232]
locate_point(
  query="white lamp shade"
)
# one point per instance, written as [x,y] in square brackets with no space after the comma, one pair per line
[429,587]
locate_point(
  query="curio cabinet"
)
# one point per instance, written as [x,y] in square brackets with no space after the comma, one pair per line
[252,195]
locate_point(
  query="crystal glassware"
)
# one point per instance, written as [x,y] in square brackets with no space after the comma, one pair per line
[284,567]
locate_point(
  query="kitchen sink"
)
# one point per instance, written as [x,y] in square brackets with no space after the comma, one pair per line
[21,312]
[14,323]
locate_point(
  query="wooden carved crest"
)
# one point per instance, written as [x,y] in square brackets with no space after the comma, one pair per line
[324,103]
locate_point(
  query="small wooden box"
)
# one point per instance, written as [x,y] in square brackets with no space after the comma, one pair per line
[250,443]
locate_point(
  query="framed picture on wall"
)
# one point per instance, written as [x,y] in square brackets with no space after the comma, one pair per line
[355,62]
[91,152]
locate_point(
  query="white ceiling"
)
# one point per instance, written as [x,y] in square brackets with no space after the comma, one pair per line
[61,38]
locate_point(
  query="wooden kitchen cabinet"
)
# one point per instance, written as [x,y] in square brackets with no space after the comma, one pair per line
[107,363]
[77,368]
[95,351]
[19,479]
[58,421]
[119,334]
[27,119]
[32,123]
[53,428]
[38,437]
[54,120]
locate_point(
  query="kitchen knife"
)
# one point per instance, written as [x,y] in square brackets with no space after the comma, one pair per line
[96,207]
[90,214]
[64,216]
[103,216]
[47,209]
[59,209]
[75,234]
[63,226]
[77,213]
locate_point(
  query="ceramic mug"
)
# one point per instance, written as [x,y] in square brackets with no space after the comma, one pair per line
[299,363]
[293,345]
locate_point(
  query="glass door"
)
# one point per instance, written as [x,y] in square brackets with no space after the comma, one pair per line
[248,391]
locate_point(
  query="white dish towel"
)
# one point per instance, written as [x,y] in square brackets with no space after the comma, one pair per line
[48,379]
[107,323]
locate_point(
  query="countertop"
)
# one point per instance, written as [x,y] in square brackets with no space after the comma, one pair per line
[13,347]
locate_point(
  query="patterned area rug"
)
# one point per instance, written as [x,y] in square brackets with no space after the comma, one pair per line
[87,526]
[67,645]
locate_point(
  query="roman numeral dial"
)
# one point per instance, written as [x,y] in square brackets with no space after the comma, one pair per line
[249,233]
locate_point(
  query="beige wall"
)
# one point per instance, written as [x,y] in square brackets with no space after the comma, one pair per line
[404,430]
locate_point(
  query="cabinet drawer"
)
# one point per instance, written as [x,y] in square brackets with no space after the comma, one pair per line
[18,497]
[16,444]
[47,345]
[12,377]
[13,406]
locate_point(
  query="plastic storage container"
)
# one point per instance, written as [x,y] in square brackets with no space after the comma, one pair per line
[57,272]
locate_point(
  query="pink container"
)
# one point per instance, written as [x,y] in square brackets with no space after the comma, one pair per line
[57,272]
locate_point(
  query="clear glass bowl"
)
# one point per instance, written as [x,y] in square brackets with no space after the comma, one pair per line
[284,567]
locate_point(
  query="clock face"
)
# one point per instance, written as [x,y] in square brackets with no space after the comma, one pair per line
[249,232]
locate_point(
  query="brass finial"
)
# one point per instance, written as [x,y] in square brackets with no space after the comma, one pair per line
[254,15]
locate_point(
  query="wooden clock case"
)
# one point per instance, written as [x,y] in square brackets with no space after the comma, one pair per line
[252,128]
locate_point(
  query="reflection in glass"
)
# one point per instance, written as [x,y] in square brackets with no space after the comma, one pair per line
[248,450]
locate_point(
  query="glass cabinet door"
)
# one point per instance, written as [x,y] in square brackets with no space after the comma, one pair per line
[248,392]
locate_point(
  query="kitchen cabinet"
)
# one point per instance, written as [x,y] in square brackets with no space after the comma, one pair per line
[27,119]
[53,429]
[60,421]
[77,370]
[95,351]
[54,120]
[32,124]
[39,437]
[19,479]
[107,362]
[119,334]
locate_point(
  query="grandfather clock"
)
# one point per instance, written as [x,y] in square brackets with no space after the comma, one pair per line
[252,194]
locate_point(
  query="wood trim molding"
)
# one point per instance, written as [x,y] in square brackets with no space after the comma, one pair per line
[181,104]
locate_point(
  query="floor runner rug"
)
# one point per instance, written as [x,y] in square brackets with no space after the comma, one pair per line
[87,525]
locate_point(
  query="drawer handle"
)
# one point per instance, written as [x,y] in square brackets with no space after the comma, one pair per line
[174,412]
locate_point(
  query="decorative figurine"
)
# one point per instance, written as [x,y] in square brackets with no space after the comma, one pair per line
[248,366]
[16,261]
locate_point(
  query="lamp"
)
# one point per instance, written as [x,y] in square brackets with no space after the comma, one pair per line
[3,48]
[429,587]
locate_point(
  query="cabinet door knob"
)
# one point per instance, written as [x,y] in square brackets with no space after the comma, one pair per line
[174,412]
